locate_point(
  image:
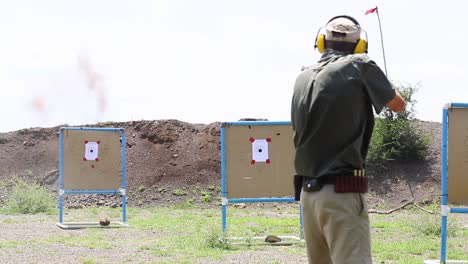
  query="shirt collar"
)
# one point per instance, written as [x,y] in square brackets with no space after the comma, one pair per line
[330,53]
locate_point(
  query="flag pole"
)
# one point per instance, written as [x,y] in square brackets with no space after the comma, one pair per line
[381,40]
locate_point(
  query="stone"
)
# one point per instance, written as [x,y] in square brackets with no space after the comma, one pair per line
[272,239]
[104,221]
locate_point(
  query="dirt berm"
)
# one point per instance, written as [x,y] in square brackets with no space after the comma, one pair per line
[170,161]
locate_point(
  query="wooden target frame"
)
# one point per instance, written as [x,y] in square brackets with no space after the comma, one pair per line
[91,161]
[454,166]
[257,164]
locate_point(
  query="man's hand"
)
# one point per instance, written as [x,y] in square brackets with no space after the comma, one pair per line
[397,104]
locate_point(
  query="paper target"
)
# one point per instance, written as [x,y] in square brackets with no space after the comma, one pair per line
[260,150]
[91,151]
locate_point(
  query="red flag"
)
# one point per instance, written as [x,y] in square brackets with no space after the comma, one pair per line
[372,10]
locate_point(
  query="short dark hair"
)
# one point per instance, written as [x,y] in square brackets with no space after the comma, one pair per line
[347,47]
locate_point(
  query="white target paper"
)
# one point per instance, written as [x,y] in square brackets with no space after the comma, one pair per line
[91,151]
[260,150]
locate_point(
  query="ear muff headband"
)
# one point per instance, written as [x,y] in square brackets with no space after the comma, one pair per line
[348,17]
[361,45]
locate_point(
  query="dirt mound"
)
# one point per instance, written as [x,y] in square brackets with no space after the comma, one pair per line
[169,161]
[418,180]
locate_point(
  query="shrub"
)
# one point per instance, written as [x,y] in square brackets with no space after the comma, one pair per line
[27,198]
[395,137]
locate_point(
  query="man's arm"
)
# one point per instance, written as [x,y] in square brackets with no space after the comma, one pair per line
[380,90]
[397,104]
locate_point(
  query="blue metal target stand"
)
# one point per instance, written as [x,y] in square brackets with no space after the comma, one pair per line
[257,167]
[454,180]
[92,161]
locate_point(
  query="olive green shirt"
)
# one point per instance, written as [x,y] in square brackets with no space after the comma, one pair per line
[331,112]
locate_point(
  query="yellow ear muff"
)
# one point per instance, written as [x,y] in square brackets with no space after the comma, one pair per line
[361,47]
[320,44]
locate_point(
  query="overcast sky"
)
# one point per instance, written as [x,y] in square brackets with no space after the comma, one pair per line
[82,62]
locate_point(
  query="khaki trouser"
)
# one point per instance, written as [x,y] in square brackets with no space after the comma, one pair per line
[336,227]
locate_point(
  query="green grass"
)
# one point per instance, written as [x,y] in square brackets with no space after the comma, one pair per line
[186,234]
[92,213]
[94,239]
[8,244]
[8,210]
[183,238]
[187,204]
[410,236]
[196,234]
[397,238]
[88,261]
[9,221]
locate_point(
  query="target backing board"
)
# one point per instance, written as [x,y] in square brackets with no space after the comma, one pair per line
[258,160]
[458,156]
[91,160]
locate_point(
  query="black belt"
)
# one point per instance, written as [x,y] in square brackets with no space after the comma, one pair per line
[343,183]
[326,179]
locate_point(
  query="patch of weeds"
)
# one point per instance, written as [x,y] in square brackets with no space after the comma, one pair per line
[3,185]
[216,239]
[205,197]
[431,226]
[432,205]
[143,248]
[248,239]
[9,221]
[259,230]
[160,252]
[87,261]
[26,198]
[162,190]
[179,192]
[92,240]
[8,244]
[187,204]
[94,210]
[211,187]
